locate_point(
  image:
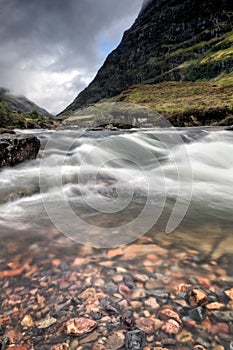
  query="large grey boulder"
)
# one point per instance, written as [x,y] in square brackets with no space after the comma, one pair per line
[15,149]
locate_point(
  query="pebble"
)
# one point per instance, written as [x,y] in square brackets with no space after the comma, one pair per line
[152,303]
[46,322]
[63,346]
[197,297]
[147,325]
[171,326]
[198,314]
[229,293]
[27,321]
[115,341]
[184,337]
[135,340]
[138,293]
[80,326]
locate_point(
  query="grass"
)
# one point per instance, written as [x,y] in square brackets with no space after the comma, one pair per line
[210,103]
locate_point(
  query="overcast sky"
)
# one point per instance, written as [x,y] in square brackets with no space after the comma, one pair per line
[51,49]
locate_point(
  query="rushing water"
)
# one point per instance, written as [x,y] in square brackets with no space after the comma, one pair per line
[110,187]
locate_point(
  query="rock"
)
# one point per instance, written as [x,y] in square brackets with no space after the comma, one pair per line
[63,346]
[215,306]
[15,149]
[138,293]
[197,297]
[171,327]
[27,321]
[46,322]
[219,328]
[14,335]
[115,341]
[166,314]
[152,303]
[229,293]
[146,325]
[198,314]
[184,337]
[135,340]
[80,326]
[125,291]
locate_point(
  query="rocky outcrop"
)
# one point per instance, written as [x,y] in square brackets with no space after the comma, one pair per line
[15,149]
[171,40]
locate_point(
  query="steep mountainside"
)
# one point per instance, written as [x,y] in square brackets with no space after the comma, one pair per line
[171,40]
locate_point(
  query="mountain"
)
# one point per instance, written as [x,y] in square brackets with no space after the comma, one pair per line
[22,103]
[20,112]
[170,41]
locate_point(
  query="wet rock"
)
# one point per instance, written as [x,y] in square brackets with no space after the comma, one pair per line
[80,326]
[146,325]
[215,306]
[198,313]
[160,294]
[138,293]
[27,321]
[229,293]
[171,326]
[15,149]
[46,322]
[152,303]
[219,328]
[222,316]
[166,314]
[63,346]
[115,341]
[125,291]
[4,343]
[184,337]
[14,335]
[135,340]
[197,297]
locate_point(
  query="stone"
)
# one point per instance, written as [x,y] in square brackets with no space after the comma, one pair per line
[215,306]
[147,325]
[135,340]
[184,337]
[138,293]
[140,278]
[166,314]
[198,314]
[198,297]
[171,326]
[27,321]
[229,293]
[152,303]
[115,341]
[15,149]
[80,326]
[14,335]
[46,322]
[63,346]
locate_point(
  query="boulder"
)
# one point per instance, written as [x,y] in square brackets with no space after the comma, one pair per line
[15,149]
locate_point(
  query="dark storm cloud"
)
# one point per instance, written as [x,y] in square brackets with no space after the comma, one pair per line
[52,48]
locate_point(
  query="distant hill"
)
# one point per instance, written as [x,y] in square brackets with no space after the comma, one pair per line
[170,41]
[22,103]
[20,112]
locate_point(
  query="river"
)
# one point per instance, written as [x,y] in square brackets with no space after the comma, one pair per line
[107,188]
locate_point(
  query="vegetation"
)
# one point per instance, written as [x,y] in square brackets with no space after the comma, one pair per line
[10,118]
[186,103]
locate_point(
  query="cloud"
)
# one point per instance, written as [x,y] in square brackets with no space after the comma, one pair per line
[51,49]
